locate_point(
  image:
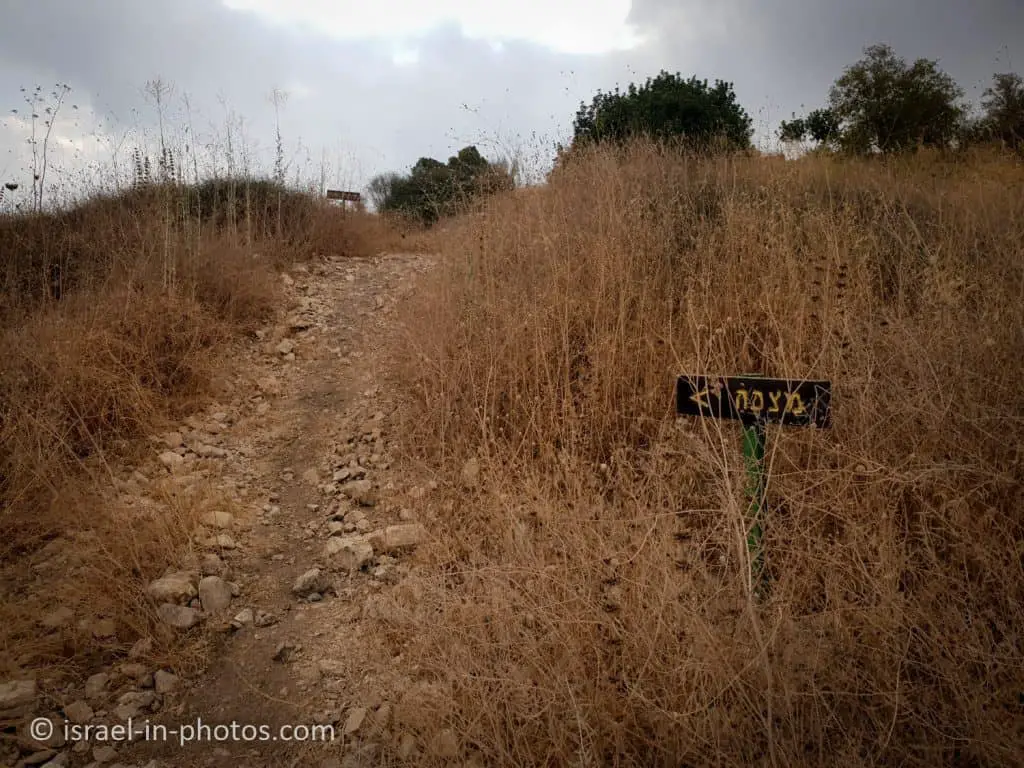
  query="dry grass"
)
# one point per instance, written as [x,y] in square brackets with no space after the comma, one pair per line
[113,317]
[594,601]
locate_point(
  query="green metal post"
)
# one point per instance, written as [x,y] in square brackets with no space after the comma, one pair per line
[753,457]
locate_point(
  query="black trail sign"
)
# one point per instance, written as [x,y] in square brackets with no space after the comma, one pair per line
[756,400]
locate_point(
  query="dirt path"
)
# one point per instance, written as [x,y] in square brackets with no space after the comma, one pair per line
[310,417]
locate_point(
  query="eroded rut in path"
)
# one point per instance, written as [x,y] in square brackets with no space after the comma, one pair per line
[309,428]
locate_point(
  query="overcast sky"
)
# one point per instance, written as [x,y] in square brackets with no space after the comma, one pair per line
[374,85]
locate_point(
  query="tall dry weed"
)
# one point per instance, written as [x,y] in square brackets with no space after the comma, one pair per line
[594,600]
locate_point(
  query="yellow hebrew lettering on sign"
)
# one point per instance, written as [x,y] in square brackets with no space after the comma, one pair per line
[774,397]
[794,404]
[757,401]
[741,399]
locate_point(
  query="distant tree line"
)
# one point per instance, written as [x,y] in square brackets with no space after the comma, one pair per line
[884,104]
[881,104]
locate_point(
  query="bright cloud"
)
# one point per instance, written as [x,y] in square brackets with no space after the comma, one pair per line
[566,26]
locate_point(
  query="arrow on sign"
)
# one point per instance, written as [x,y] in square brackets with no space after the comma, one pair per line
[697,398]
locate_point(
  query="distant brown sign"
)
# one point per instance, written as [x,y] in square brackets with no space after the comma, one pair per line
[349,197]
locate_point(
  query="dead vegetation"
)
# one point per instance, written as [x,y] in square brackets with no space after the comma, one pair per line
[592,599]
[114,316]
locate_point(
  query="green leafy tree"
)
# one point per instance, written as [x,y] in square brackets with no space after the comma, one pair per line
[433,189]
[1003,102]
[793,130]
[666,107]
[821,125]
[888,105]
[884,104]
[380,189]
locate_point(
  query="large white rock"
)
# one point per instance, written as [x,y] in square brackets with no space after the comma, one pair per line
[313,580]
[349,553]
[178,616]
[173,588]
[214,594]
[406,536]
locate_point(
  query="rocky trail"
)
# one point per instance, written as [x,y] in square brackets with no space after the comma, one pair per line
[320,538]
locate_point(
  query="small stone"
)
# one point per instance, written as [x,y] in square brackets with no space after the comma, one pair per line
[348,553]
[215,594]
[218,519]
[171,460]
[133,703]
[397,537]
[104,754]
[178,616]
[445,745]
[58,618]
[406,746]
[471,473]
[17,698]
[211,565]
[224,541]
[104,629]
[264,619]
[143,647]
[313,580]
[55,734]
[174,588]
[331,668]
[284,651]
[286,347]
[173,440]
[243,618]
[382,717]
[165,682]
[311,477]
[133,669]
[38,758]
[360,491]
[355,719]
[78,712]
[96,685]
[355,516]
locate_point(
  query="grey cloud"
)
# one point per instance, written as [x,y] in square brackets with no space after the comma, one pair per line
[378,116]
[787,53]
[360,104]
